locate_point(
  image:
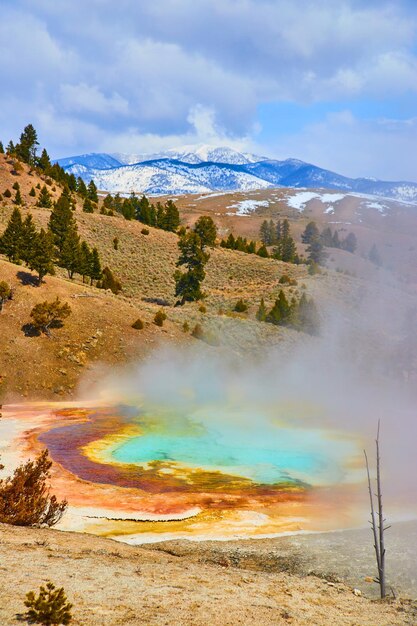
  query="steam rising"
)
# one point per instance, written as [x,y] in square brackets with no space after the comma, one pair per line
[357,372]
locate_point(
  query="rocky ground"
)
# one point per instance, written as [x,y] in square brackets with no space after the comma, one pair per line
[112,583]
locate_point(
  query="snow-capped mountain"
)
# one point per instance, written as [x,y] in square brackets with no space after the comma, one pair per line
[167,176]
[203,153]
[204,169]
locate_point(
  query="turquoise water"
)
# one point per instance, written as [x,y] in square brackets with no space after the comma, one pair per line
[253,448]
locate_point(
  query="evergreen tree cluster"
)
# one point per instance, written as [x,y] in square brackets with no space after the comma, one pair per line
[299,314]
[71,252]
[279,235]
[328,238]
[21,242]
[243,245]
[26,150]
[60,244]
[165,216]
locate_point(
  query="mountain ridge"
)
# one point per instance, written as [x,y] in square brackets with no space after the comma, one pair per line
[182,171]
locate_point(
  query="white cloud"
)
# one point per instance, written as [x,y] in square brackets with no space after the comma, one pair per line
[94,74]
[83,97]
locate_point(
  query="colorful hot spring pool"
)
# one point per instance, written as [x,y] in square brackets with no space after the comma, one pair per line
[145,473]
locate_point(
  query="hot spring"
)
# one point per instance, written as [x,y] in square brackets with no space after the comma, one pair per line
[145,472]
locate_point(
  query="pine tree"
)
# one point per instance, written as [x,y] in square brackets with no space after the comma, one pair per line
[18,197]
[316,252]
[263,252]
[62,220]
[29,235]
[95,267]
[374,256]
[11,240]
[206,230]
[88,206]
[45,199]
[85,260]
[49,608]
[44,162]
[10,150]
[143,212]
[69,256]
[267,232]
[192,256]
[41,258]
[326,237]
[128,209]
[287,244]
[25,150]
[350,243]
[92,191]
[32,192]
[261,312]
[160,215]
[310,232]
[81,188]
[335,240]
[172,217]
[1,148]
[308,317]
[281,312]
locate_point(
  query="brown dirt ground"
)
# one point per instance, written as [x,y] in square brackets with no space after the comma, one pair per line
[111,583]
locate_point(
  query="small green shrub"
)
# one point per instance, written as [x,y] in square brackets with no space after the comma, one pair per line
[7,193]
[314,268]
[145,231]
[202,308]
[138,325]
[159,318]
[198,332]
[286,280]
[186,327]
[241,306]
[49,608]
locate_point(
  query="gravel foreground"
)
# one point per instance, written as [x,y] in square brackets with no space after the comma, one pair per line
[112,583]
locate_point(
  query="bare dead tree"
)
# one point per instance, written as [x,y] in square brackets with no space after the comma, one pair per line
[377,520]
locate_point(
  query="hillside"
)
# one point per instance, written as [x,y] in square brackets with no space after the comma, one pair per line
[145,265]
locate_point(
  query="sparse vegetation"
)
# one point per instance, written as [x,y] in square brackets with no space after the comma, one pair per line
[109,281]
[49,608]
[241,306]
[5,293]
[138,325]
[160,317]
[25,498]
[47,315]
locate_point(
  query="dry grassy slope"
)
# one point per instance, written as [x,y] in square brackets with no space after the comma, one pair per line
[145,265]
[394,233]
[117,584]
[98,331]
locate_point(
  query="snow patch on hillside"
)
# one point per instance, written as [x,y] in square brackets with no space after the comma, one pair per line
[382,208]
[299,200]
[245,207]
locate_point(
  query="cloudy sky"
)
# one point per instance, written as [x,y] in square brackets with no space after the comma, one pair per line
[333,82]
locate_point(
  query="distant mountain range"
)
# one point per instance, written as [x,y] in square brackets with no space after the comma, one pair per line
[206,169]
